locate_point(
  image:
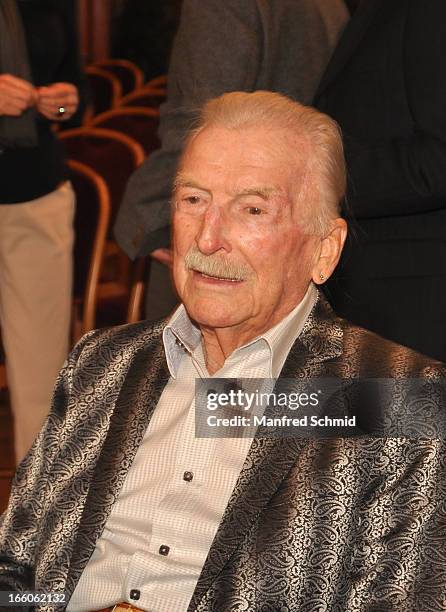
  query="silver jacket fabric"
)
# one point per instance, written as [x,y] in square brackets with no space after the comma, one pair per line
[337,524]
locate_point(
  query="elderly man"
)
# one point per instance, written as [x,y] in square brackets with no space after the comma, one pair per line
[281,46]
[119,502]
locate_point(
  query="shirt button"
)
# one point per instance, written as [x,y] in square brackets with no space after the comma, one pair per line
[232,386]
[135,594]
[188,476]
[164,550]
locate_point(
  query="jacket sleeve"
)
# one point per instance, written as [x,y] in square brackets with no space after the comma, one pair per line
[70,70]
[403,176]
[21,523]
[400,545]
[217,49]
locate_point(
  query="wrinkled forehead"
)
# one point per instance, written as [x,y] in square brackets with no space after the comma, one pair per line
[278,150]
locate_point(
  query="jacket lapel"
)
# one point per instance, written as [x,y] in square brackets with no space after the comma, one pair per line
[270,459]
[351,37]
[138,398]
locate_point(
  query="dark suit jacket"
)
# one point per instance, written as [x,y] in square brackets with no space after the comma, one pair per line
[341,525]
[386,86]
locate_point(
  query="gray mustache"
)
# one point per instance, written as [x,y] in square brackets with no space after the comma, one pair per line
[215,265]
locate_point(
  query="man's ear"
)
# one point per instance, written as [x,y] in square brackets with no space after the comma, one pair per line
[330,251]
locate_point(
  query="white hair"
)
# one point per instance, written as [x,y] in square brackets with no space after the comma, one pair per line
[323,196]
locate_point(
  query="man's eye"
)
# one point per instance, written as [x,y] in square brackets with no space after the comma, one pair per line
[254,210]
[192,200]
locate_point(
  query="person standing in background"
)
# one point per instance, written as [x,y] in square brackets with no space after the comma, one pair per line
[39,84]
[221,47]
[143,32]
[386,87]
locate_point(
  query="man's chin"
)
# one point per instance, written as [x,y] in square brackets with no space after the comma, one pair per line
[212,315]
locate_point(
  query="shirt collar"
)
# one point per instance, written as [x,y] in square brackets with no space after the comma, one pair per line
[181,336]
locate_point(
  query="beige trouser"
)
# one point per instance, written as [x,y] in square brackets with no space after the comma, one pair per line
[36,240]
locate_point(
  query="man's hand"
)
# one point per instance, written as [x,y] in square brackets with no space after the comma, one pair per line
[164,256]
[55,97]
[16,95]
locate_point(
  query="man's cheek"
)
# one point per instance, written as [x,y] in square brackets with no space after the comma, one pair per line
[179,274]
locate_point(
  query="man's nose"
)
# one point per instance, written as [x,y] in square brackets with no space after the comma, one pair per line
[213,234]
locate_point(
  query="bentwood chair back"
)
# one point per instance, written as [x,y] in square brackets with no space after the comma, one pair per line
[145,97]
[105,91]
[129,74]
[159,81]
[91,223]
[112,154]
[141,124]
[138,288]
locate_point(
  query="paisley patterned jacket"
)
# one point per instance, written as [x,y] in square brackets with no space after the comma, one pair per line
[340,525]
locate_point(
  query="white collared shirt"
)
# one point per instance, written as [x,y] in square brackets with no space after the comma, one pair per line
[161,527]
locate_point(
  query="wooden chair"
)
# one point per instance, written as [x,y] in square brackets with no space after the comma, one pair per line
[105,91]
[91,224]
[140,271]
[114,156]
[151,97]
[141,124]
[159,81]
[129,74]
